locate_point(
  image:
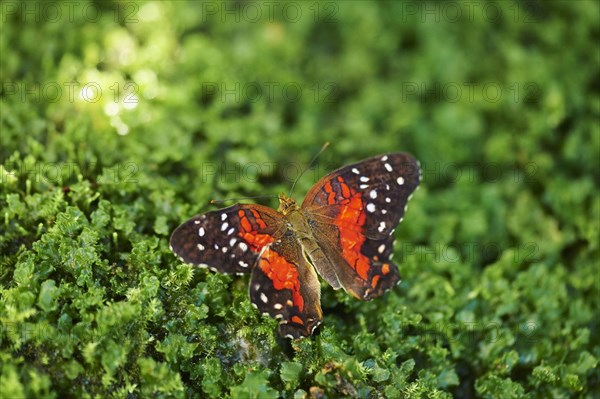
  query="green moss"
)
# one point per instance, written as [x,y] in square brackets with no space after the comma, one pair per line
[198,101]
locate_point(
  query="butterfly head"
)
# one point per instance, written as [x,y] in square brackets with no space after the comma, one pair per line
[286,204]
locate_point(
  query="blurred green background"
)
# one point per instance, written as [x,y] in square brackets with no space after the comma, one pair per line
[121,119]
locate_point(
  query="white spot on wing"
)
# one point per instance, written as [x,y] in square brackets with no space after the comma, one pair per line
[277,306]
[223,216]
[381,248]
[243,246]
[400,180]
[232,242]
[381,227]
[388,200]
[363,186]
[364,179]
[315,326]
[373,194]
[201,247]
[196,222]
[388,167]
[224,226]
[263,297]
[384,158]
[243,264]
[224,249]
[371,207]
[201,232]
[355,171]
[230,231]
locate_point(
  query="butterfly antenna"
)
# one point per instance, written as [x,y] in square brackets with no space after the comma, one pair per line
[241,198]
[310,164]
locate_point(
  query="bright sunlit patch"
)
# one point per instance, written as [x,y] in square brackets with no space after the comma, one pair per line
[150,12]
[131,101]
[147,81]
[111,109]
[119,125]
[91,92]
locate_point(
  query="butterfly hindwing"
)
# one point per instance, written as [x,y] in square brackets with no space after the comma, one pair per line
[227,240]
[363,267]
[285,286]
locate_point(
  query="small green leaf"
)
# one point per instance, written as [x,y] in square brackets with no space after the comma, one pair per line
[47,296]
[290,374]
[255,386]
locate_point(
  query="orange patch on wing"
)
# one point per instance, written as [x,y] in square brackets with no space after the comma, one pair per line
[246,225]
[345,189]
[352,240]
[375,280]
[297,320]
[252,237]
[329,189]
[284,276]
[257,241]
[385,268]
[261,223]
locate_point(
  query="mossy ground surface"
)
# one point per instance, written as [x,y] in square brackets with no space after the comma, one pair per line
[120,120]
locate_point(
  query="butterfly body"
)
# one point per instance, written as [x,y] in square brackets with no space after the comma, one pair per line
[343,230]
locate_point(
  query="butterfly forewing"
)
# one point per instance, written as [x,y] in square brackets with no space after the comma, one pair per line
[379,187]
[227,240]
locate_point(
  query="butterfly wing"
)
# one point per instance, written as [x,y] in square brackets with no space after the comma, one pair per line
[378,187]
[285,286]
[354,211]
[227,240]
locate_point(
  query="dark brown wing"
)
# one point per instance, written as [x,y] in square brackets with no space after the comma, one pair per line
[227,240]
[379,187]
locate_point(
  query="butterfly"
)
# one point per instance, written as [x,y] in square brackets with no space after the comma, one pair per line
[343,231]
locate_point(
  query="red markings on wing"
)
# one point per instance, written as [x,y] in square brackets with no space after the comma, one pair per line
[375,280]
[346,193]
[329,190]
[244,222]
[284,276]
[259,220]
[351,214]
[256,240]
